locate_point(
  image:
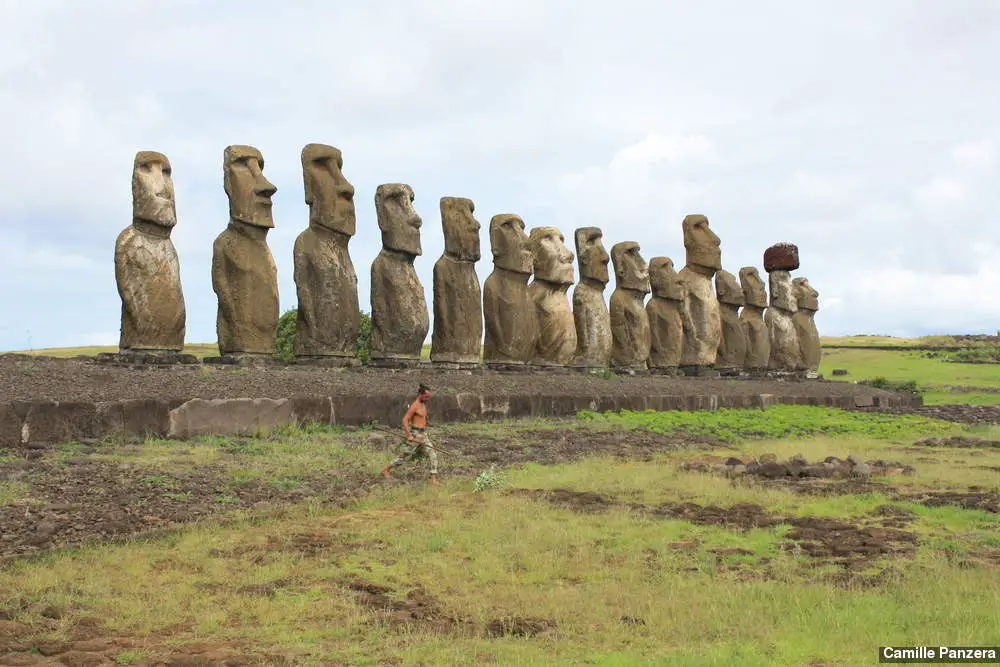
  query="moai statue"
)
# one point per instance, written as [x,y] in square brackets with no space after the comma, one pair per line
[807,302]
[752,317]
[629,323]
[553,269]
[508,311]
[244,275]
[458,298]
[666,317]
[779,260]
[702,320]
[327,286]
[147,270]
[590,313]
[732,354]
[400,321]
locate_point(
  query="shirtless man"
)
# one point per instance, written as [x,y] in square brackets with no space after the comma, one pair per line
[415,428]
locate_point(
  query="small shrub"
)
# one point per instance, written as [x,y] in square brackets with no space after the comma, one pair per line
[490,479]
[288,324]
[909,386]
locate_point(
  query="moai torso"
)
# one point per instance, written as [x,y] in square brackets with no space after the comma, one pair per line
[147,270]
[702,320]
[553,271]
[458,300]
[752,319]
[591,317]
[326,284]
[779,318]
[244,275]
[630,333]
[807,303]
[665,312]
[400,320]
[508,311]
[733,343]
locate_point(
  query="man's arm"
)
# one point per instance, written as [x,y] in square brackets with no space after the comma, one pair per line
[406,420]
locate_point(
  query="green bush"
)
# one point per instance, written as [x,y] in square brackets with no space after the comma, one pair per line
[288,322]
[909,386]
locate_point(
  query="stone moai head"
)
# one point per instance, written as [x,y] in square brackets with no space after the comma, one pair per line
[248,191]
[397,218]
[328,193]
[461,229]
[727,289]
[510,245]
[552,260]
[663,279]
[703,247]
[631,272]
[754,293]
[153,190]
[592,256]
[806,296]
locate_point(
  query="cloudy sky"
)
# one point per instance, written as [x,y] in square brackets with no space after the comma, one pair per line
[865,132]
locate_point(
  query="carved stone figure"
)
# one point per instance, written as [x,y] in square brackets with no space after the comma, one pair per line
[400,321]
[807,303]
[458,299]
[785,353]
[666,316]
[590,314]
[752,317]
[702,320]
[244,275]
[146,266]
[553,269]
[325,281]
[508,311]
[733,346]
[629,323]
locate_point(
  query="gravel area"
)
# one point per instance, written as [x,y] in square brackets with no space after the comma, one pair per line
[25,378]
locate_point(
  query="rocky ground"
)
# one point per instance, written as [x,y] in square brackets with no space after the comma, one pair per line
[45,378]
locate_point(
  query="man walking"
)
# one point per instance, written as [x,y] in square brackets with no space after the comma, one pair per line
[415,428]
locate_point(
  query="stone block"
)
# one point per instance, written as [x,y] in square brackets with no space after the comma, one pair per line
[781,257]
[312,409]
[60,421]
[494,407]
[10,427]
[863,401]
[228,416]
[385,409]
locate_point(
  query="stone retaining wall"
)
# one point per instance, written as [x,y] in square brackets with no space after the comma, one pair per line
[30,422]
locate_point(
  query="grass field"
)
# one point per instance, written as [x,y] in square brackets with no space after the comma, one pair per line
[415,575]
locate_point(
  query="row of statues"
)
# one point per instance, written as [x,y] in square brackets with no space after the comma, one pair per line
[520,316]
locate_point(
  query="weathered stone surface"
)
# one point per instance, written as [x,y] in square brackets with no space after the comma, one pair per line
[733,345]
[325,280]
[458,298]
[312,409]
[781,257]
[147,270]
[400,320]
[785,352]
[228,416]
[60,421]
[630,334]
[752,318]
[10,427]
[553,269]
[244,275]
[590,313]
[702,320]
[508,311]
[665,313]
[807,303]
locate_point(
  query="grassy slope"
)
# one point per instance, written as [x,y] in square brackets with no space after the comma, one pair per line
[487,555]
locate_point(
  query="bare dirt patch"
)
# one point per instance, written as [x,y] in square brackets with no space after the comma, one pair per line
[987,501]
[961,441]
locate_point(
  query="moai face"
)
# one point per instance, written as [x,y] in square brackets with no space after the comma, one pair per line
[754,293]
[397,218]
[727,289]
[248,191]
[461,229]
[702,245]
[328,193]
[631,272]
[553,261]
[153,190]
[592,256]
[782,291]
[806,297]
[510,245]
[663,279]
